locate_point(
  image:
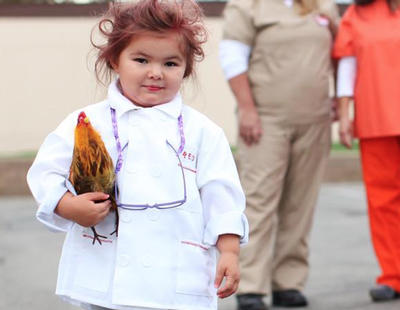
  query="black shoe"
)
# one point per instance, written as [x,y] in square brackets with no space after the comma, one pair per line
[383,293]
[251,302]
[289,298]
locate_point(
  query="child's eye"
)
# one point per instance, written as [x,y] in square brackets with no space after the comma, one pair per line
[140,60]
[171,64]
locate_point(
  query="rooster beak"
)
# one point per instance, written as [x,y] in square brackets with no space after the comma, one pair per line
[86,120]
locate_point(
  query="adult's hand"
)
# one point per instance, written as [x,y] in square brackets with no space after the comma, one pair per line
[346,132]
[334,109]
[250,129]
[345,123]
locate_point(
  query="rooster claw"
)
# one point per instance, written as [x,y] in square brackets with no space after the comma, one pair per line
[96,236]
[116,224]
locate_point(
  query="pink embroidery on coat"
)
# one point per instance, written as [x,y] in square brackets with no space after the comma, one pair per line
[187,168]
[195,244]
[101,239]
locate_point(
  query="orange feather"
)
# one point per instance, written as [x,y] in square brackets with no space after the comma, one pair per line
[92,168]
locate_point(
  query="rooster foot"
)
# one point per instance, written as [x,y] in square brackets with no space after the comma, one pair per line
[115,232]
[96,236]
[116,224]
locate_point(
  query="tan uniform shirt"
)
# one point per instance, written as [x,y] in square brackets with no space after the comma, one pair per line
[290,63]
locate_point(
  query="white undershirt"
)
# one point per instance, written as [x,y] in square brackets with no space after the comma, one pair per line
[234,57]
[288,3]
[346,76]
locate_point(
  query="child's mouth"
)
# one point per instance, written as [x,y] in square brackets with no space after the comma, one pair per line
[153,88]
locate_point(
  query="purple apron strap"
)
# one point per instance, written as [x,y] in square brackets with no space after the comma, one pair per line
[181,132]
[118,142]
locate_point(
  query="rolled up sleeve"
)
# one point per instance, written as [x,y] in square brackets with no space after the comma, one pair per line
[221,193]
[47,176]
[233,57]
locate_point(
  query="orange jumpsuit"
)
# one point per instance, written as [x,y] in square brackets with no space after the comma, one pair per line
[371,33]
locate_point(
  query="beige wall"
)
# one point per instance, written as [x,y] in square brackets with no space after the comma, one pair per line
[47,72]
[44,64]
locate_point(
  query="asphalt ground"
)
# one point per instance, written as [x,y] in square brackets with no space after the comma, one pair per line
[343,265]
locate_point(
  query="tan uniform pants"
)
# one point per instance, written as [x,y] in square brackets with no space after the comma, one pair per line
[281,176]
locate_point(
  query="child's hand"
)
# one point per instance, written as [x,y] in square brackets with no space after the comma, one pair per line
[83,209]
[228,267]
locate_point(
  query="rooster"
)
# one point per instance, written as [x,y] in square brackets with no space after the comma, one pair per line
[92,169]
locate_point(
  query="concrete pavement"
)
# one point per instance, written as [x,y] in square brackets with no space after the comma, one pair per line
[343,265]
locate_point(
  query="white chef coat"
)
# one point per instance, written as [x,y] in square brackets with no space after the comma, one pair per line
[162,259]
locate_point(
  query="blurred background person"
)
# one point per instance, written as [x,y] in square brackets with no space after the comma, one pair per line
[368,46]
[276,55]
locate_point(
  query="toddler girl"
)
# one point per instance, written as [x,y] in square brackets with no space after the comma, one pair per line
[179,196]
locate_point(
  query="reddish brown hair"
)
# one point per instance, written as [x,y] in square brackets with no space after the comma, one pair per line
[124,20]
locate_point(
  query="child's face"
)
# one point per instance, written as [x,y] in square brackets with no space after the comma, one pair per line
[151,68]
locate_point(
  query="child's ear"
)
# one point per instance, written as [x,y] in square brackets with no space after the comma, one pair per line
[114,66]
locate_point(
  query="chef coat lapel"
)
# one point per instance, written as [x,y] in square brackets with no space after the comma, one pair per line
[169,111]
[169,119]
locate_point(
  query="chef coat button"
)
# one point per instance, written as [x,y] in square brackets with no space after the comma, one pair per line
[132,120]
[153,214]
[147,261]
[132,169]
[138,138]
[123,260]
[126,217]
[156,171]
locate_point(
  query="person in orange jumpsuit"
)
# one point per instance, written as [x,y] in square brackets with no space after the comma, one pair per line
[368,49]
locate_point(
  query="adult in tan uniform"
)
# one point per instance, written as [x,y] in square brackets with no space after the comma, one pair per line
[276,57]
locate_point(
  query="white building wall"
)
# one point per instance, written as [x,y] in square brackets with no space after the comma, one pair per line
[47,72]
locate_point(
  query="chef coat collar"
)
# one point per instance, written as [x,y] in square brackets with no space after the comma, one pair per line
[121,104]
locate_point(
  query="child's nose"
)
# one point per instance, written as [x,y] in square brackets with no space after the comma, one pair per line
[155,72]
